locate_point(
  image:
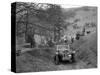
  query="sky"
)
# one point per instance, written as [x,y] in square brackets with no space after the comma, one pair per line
[69,6]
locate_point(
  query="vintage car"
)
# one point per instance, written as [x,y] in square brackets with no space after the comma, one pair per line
[64,53]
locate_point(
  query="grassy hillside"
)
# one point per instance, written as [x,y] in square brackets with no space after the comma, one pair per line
[87,49]
[77,18]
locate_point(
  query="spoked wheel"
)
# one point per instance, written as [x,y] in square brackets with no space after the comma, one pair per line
[56,60]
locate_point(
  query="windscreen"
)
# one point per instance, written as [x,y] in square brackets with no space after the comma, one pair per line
[62,47]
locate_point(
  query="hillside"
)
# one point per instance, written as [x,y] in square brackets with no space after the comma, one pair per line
[77,18]
[87,49]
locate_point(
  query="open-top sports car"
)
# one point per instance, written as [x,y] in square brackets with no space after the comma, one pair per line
[64,52]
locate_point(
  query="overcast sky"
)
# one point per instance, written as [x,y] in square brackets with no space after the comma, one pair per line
[69,6]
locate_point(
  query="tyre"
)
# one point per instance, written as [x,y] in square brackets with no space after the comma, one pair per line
[73,58]
[56,60]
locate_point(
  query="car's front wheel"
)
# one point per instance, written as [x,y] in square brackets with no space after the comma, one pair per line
[73,57]
[56,59]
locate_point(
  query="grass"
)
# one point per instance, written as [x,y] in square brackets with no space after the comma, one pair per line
[87,49]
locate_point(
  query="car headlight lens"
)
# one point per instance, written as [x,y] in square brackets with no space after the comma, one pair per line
[56,52]
[69,55]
